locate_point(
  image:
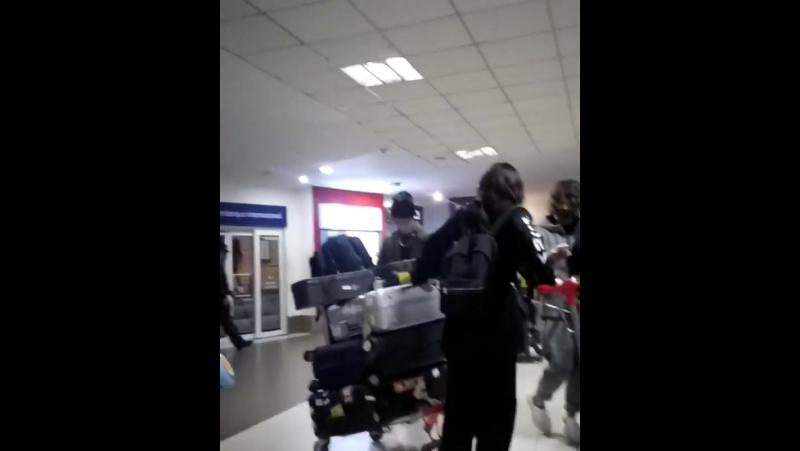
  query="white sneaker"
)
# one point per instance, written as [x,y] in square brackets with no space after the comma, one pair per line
[572,431]
[540,418]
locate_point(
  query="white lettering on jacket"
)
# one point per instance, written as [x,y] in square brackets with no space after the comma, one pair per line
[538,242]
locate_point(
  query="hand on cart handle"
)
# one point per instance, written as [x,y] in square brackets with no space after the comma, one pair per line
[568,289]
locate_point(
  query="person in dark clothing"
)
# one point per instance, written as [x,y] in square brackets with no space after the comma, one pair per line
[565,207]
[225,319]
[482,351]
[406,242]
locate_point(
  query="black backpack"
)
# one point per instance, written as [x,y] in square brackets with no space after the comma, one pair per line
[466,269]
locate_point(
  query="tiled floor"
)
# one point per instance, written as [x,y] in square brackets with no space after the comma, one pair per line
[261,395]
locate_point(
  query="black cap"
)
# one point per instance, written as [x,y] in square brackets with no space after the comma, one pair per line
[403,205]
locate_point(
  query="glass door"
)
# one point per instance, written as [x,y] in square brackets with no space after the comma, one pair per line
[254,266]
[272,309]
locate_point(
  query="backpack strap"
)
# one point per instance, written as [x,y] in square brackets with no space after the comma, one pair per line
[502,220]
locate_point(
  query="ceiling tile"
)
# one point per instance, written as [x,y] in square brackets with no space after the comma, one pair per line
[452,84]
[509,135]
[382,125]
[431,36]
[493,122]
[572,65]
[517,149]
[575,99]
[435,118]
[466,6]
[402,134]
[542,105]
[350,98]
[471,98]
[356,49]
[272,5]
[429,151]
[409,107]
[364,113]
[446,160]
[479,112]
[326,20]
[510,21]
[556,146]
[448,62]
[566,13]
[569,41]
[330,80]
[555,129]
[534,91]
[449,129]
[234,9]
[529,73]
[536,122]
[574,84]
[253,35]
[405,91]
[417,141]
[394,13]
[464,141]
[286,63]
[527,49]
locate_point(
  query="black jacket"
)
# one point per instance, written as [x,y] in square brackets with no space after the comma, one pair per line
[224,290]
[520,249]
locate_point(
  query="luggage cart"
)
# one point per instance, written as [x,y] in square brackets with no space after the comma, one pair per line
[569,289]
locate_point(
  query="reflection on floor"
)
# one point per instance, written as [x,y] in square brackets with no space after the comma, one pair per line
[291,430]
[271,377]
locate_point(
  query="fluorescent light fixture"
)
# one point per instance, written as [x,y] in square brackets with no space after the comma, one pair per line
[303,179]
[404,68]
[362,76]
[476,153]
[437,196]
[383,72]
[327,170]
[464,154]
[387,204]
[489,151]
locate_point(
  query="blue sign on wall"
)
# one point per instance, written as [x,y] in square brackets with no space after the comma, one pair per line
[249,215]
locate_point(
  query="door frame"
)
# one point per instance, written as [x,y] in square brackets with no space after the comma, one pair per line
[255,235]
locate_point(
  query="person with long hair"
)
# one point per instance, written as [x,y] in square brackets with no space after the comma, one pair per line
[482,350]
[565,208]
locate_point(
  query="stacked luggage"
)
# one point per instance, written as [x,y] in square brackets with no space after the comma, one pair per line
[383,361]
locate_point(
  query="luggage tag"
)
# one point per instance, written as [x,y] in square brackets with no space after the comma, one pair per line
[337,411]
[404,277]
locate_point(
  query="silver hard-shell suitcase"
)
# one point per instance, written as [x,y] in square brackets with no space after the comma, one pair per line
[393,308]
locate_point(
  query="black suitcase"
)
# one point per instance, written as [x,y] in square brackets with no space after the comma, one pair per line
[329,290]
[347,411]
[389,272]
[405,350]
[340,364]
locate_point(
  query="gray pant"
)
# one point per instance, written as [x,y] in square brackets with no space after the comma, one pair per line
[552,379]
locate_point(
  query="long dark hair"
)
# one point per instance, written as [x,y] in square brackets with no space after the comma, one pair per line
[501,184]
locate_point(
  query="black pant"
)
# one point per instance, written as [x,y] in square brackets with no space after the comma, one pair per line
[481,402]
[226,322]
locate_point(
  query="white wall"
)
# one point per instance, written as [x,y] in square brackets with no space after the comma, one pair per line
[538,204]
[435,216]
[298,236]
